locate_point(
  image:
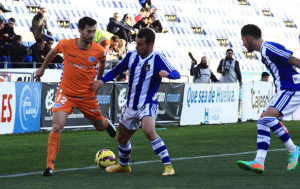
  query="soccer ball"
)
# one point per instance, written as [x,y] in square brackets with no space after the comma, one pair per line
[105,158]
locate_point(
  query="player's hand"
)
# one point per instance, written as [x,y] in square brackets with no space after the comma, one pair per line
[97,84]
[163,73]
[39,73]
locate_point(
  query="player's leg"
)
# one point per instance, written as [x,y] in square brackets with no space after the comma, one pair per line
[263,142]
[158,145]
[58,122]
[103,124]
[91,109]
[125,149]
[270,118]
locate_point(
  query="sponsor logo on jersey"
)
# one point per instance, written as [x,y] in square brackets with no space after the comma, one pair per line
[57,105]
[296,78]
[92,59]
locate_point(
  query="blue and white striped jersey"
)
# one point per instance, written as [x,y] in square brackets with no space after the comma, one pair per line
[275,57]
[143,76]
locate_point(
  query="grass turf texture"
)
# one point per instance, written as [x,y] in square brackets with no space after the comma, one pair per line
[24,153]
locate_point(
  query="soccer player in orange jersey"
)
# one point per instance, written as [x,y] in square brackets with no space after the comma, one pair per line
[76,89]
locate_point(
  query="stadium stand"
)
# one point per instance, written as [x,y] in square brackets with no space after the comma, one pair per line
[203,27]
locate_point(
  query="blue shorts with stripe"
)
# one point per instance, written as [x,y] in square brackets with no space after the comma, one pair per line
[285,101]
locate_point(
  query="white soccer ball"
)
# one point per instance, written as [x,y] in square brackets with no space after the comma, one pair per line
[105,158]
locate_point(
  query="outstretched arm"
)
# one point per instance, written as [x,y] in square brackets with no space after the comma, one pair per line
[295,61]
[40,72]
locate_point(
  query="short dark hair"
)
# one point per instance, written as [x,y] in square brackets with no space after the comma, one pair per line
[17,38]
[252,30]
[229,50]
[264,74]
[12,20]
[148,33]
[40,40]
[86,21]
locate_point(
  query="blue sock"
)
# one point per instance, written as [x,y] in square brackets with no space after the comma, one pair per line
[161,150]
[124,153]
[280,131]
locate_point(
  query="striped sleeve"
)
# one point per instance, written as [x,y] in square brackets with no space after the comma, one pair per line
[277,53]
[163,63]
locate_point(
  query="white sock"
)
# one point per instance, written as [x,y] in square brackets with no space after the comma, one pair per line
[290,146]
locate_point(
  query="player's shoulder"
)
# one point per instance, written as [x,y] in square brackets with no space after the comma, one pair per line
[272,45]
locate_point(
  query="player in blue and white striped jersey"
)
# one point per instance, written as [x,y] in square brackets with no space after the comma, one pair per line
[146,69]
[282,65]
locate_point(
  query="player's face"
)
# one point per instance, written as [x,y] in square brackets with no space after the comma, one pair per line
[87,34]
[247,43]
[143,49]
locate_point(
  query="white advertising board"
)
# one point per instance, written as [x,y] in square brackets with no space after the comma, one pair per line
[7,107]
[210,103]
[255,95]
[25,75]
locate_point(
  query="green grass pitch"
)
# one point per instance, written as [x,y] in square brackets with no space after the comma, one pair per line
[203,157]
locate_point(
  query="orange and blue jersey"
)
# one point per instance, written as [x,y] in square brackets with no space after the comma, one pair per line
[79,67]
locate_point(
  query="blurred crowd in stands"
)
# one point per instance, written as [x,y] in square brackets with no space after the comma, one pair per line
[119,33]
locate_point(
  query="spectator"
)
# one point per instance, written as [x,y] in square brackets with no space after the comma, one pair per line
[3,51]
[101,35]
[144,23]
[105,44]
[39,25]
[265,76]
[202,73]
[138,17]
[3,10]
[118,28]
[46,50]
[154,11]
[19,53]
[37,50]
[8,31]
[122,48]
[229,68]
[113,53]
[128,22]
[145,3]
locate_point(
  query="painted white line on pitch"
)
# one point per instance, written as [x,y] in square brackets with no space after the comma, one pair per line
[137,163]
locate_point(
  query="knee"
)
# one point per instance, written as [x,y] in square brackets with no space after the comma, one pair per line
[57,127]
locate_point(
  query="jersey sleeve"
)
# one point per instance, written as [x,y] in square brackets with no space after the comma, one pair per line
[120,67]
[278,53]
[163,63]
[59,46]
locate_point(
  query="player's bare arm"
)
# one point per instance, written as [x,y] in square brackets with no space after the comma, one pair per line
[40,72]
[295,61]
[163,73]
[99,83]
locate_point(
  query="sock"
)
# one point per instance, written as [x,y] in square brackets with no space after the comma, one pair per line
[281,132]
[161,150]
[124,153]
[53,146]
[263,141]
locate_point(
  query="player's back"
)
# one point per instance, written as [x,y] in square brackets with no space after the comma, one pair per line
[79,67]
[275,57]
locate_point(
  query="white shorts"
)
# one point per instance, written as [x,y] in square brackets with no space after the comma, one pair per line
[131,118]
[286,102]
